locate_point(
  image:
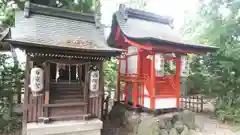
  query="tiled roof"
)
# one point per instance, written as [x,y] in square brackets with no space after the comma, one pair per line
[151,28]
[45,29]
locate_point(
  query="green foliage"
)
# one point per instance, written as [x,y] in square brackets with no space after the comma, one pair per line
[110,74]
[6,12]
[219,74]
[85,6]
[10,83]
[7,8]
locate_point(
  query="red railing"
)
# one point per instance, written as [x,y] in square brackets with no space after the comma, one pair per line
[165,86]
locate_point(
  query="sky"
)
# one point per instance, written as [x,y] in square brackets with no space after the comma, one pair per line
[173,8]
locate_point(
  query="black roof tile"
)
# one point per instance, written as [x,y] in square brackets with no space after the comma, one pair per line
[62,13]
[146,27]
[64,29]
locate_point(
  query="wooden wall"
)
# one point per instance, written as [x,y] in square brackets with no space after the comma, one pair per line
[35,107]
[32,105]
[95,103]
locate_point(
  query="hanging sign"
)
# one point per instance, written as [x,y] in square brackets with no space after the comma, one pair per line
[184,66]
[94,80]
[36,80]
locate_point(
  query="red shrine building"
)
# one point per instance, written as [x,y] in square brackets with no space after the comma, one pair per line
[151,45]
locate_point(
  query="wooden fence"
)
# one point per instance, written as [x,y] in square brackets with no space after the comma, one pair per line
[192,103]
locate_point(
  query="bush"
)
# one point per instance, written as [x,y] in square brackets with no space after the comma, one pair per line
[10,83]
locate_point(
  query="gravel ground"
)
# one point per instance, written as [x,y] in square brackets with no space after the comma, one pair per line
[208,125]
[211,126]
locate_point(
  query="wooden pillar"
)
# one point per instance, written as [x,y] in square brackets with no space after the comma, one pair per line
[118,91]
[47,80]
[83,69]
[101,90]
[37,101]
[153,83]
[126,83]
[86,82]
[53,68]
[79,68]
[178,70]
[86,86]
[69,73]
[26,94]
[118,85]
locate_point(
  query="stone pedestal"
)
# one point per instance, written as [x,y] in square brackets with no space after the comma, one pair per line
[77,127]
[126,121]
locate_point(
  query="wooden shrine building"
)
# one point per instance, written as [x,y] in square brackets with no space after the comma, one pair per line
[64,68]
[151,45]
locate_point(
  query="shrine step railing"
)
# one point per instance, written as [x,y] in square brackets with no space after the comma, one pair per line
[166,86]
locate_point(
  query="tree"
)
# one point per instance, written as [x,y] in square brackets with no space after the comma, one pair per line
[218,24]
[110,74]
[11,76]
[7,7]
[85,6]
[6,12]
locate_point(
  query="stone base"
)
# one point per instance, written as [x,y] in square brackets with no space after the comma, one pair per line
[90,127]
[126,121]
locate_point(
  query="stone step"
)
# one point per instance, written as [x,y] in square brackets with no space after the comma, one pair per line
[61,101]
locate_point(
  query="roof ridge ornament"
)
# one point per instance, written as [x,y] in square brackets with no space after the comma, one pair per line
[171,23]
[27,9]
[149,16]
[123,11]
[60,13]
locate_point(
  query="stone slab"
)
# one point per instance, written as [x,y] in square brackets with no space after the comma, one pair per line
[77,127]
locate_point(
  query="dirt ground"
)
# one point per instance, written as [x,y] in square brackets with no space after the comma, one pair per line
[211,126]
[208,124]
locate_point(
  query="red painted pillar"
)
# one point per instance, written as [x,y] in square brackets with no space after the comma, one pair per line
[136,84]
[142,93]
[178,70]
[135,95]
[152,83]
